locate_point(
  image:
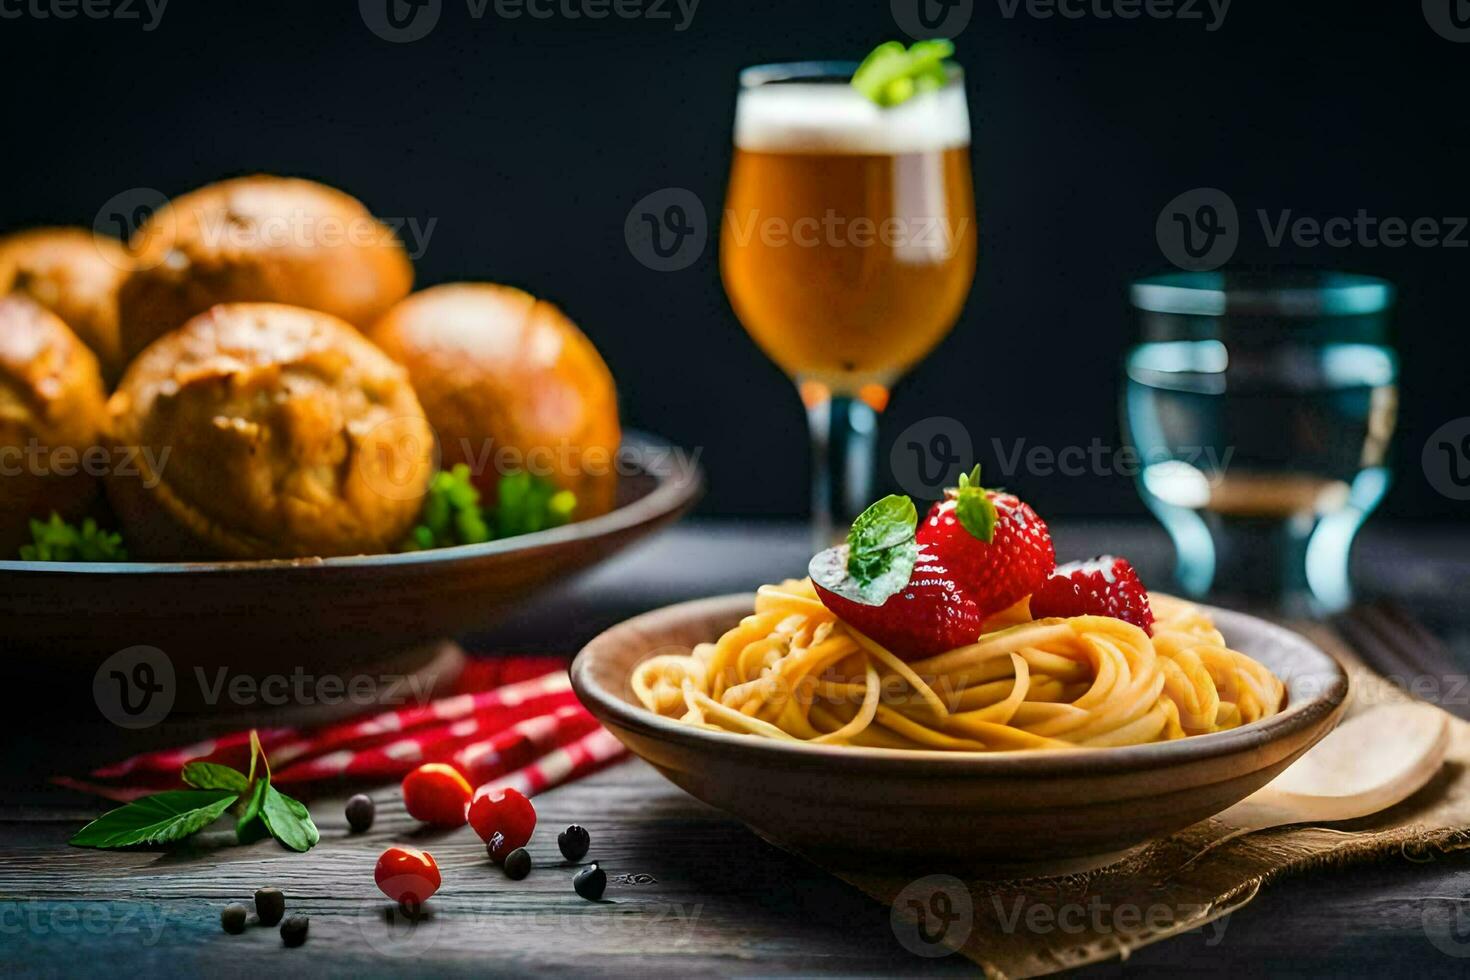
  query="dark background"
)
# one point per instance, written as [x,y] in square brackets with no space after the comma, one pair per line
[530,139]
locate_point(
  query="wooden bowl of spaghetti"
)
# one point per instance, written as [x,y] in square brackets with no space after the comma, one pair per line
[1025,807]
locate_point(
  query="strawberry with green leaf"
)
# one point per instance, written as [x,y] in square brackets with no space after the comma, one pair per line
[884,584]
[991,541]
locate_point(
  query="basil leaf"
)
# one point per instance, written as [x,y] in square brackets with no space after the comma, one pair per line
[212,775]
[880,540]
[289,820]
[156,819]
[889,522]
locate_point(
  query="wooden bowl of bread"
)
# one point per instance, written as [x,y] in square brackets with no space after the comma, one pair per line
[243,440]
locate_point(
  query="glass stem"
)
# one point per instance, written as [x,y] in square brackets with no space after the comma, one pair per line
[844,435]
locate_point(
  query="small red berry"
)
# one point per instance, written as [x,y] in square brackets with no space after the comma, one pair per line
[436,793]
[503,818]
[407,875]
[1104,586]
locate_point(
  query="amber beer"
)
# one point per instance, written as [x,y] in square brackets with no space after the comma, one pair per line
[848,237]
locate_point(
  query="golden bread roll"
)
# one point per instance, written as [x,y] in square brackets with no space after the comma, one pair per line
[268,431]
[509,383]
[75,273]
[260,239]
[51,413]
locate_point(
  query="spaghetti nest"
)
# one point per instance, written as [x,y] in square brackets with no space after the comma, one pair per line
[794,671]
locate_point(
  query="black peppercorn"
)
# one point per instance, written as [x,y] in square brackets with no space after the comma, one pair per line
[518,864]
[360,811]
[590,882]
[293,930]
[270,905]
[574,842]
[233,917]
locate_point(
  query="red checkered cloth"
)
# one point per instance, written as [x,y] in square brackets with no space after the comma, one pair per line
[510,721]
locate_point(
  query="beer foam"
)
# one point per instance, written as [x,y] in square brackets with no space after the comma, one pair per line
[828,118]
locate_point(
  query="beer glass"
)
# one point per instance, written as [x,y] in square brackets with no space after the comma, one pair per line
[847,248]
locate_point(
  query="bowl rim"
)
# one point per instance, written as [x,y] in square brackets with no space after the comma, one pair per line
[678,483]
[618,712]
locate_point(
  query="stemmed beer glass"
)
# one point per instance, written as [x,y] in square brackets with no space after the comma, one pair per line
[847,249]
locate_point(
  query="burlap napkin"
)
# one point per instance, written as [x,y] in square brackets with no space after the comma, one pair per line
[1038,926]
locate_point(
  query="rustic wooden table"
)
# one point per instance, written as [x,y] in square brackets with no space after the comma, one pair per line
[692,891]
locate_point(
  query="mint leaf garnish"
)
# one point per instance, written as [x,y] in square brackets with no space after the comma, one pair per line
[973,507]
[158,819]
[879,556]
[891,75]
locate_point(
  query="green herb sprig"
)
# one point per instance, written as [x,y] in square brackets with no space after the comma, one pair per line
[57,540]
[453,515]
[260,810]
[892,74]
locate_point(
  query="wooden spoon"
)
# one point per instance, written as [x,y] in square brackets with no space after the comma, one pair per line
[1369,763]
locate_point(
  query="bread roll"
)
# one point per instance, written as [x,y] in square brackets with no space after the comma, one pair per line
[268,431]
[260,239]
[75,273]
[51,412]
[508,383]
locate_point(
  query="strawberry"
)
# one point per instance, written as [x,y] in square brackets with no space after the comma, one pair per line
[930,614]
[1105,586]
[993,543]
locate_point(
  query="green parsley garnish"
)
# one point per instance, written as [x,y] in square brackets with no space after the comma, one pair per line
[891,75]
[452,513]
[57,540]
